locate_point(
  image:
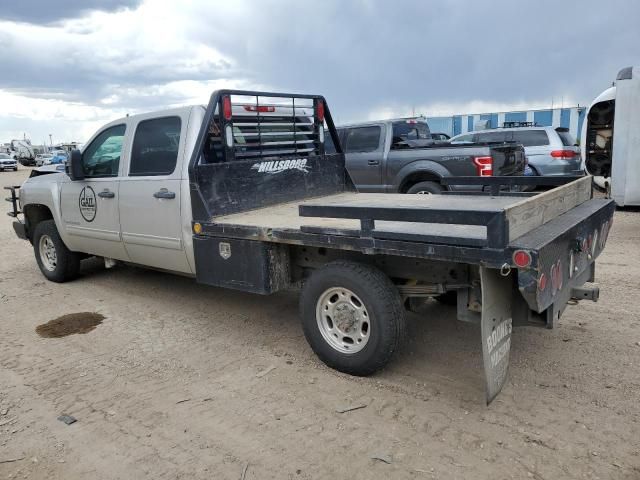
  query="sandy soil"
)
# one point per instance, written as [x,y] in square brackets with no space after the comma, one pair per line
[190,382]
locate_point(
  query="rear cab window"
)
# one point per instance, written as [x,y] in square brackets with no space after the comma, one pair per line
[410,130]
[155,147]
[362,139]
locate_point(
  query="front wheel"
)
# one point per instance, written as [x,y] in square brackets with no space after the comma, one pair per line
[56,261]
[426,188]
[352,316]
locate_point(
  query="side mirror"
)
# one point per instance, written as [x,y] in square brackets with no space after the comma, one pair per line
[74,166]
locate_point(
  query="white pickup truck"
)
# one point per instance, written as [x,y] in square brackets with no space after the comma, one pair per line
[241,194]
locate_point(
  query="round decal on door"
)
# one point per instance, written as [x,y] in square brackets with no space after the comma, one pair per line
[87,203]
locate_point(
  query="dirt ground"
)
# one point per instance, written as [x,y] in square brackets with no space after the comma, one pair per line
[182,381]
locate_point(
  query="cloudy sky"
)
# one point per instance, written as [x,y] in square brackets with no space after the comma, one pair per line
[68,66]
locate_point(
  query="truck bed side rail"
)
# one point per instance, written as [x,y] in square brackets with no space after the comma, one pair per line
[256,149]
[503,223]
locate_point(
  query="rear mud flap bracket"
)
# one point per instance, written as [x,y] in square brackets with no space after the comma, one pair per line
[496,327]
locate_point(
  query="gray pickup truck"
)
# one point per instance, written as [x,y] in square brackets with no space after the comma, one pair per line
[400,156]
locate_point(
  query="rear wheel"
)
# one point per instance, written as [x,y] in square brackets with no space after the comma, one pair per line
[56,261]
[426,188]
[352,316]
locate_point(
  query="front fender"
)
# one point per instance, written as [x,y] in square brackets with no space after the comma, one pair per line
[45,190]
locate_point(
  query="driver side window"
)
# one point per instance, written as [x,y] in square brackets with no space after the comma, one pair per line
[102,156]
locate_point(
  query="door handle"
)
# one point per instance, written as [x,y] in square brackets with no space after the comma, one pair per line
[106,194]
[164,193]
[373,162]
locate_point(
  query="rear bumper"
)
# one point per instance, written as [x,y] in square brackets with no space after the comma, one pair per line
[554,166]
[20,229]
[563,253]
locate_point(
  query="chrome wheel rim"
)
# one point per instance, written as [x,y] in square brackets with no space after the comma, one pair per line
[48,255]
[343,320]
[423,192]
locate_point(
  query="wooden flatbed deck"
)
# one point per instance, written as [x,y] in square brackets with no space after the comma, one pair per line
[445,219]
[286,216]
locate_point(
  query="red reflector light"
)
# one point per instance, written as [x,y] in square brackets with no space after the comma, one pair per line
[226,108]
[484,166]
[563,153]
[259,108]
[556,277]
[542,282]
[522,258]
[320,110]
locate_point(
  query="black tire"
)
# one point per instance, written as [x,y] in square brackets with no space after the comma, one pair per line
[426,188]
[449,298]
[67,263]
[382,302]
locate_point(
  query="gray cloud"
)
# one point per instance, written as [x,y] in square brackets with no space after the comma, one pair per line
[41,12]
[362,55]
[368,54]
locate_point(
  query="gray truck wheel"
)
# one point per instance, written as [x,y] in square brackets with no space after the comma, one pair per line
[425,188]
[352,316]
[55,260]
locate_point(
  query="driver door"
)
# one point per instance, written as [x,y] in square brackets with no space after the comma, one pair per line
[90,206]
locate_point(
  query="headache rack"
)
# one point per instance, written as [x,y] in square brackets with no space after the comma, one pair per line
[267,148]
[267,126]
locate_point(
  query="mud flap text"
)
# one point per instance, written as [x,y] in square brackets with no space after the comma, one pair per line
[496,325]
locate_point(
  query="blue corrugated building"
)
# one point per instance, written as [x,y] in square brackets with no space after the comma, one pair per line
[570,118]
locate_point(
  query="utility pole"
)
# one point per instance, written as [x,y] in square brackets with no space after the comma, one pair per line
[51,140]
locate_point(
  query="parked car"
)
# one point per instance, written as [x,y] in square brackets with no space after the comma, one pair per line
[550,151]
[7,162]
[59,156]
[399,156]
[42,158]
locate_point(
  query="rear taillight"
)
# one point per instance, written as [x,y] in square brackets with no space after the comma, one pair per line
[260,108]
[320,111]
[484,166]
[226,108]
[542,282]
[522,258]
[563,154]
[556,277]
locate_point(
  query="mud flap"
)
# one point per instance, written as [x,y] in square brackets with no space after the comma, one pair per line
[496,326]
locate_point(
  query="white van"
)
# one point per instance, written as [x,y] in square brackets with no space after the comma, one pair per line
[611,136]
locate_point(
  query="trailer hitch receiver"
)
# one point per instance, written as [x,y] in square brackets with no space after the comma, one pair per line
[585,293]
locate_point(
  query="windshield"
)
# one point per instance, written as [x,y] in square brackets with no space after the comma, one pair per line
[410,130]
[4,155]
